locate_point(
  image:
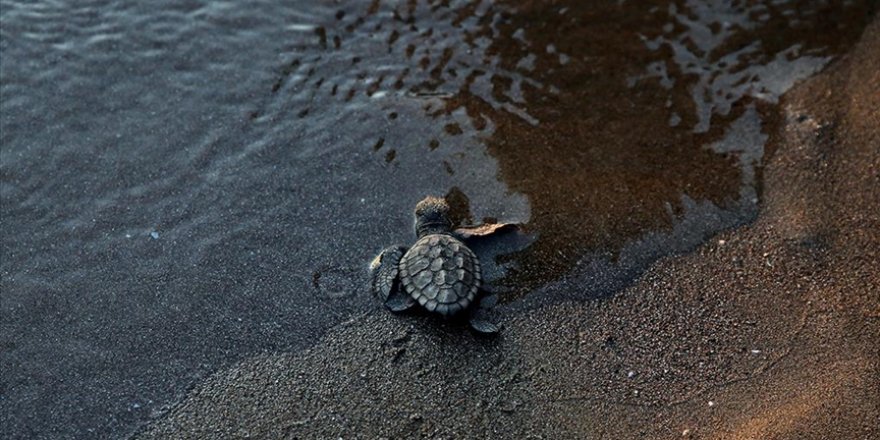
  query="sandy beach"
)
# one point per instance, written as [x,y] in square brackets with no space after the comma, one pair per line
[191,193]
[766,331]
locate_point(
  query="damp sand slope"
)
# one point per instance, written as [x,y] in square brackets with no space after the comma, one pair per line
[766,331]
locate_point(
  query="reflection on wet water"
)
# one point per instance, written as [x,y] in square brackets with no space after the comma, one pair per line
[420,51]
[609,117]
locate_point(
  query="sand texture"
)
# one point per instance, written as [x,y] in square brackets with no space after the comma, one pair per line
[767,331]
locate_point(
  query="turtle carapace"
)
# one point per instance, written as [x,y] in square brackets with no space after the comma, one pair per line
[439,272]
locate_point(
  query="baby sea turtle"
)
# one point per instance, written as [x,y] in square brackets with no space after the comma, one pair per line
[439,271]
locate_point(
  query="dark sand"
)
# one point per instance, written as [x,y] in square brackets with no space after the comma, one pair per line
[766,331]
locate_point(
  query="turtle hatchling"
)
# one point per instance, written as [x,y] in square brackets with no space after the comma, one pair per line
[439,272]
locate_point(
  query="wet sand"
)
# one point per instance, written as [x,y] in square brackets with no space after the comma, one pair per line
[766,331]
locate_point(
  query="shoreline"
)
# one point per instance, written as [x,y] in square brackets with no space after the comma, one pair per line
[766,331]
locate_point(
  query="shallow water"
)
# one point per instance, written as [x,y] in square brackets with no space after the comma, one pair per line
[189,183]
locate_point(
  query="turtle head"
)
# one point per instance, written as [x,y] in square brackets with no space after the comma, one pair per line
[432,217]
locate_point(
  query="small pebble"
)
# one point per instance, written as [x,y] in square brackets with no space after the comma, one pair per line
[711,403]
[155,235]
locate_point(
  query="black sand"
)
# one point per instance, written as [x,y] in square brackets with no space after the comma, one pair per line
[767,331]
[191,191]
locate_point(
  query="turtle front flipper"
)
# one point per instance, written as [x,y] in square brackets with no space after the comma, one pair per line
[384,270]
[386,285]
[492,240]
[480,317]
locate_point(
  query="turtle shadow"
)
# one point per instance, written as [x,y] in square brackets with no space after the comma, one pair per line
[493,249]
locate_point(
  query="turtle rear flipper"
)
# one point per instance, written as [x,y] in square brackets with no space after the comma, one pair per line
[480,317]
[399,301]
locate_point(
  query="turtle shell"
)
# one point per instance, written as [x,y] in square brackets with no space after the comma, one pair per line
[441,273]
